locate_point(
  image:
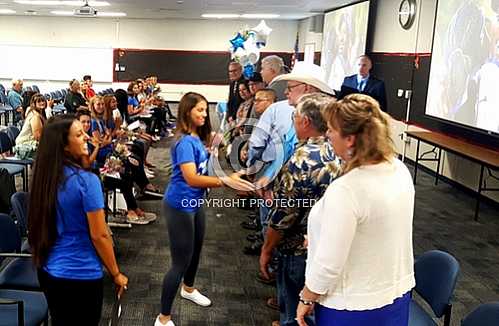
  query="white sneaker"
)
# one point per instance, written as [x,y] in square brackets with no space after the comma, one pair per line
[137,220]
[158,323]
[195,297]
[150,217]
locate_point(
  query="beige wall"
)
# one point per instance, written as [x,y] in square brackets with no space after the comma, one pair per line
[199,35]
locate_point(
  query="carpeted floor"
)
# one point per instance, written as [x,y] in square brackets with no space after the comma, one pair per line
[443,220]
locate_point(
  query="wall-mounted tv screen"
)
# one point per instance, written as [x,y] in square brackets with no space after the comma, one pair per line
[464,75]
[344,40]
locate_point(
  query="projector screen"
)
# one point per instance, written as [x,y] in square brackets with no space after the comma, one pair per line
[344,39]
[464,74]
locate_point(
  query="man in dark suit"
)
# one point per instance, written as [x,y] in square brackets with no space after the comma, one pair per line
[235,78]
[365,83]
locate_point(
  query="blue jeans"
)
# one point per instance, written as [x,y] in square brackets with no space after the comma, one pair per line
[264,222]
[290,281]
[395,314]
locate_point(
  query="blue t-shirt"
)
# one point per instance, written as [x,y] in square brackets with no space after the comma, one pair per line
[104,151]
[179,194]
[73,255]
[133,101]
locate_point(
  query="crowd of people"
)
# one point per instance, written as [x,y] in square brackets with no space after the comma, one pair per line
[338,252]
[288,136]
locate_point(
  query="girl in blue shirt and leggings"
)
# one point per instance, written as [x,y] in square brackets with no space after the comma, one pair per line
[67,229]
[184,214]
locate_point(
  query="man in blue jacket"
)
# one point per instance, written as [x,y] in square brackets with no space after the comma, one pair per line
[363,82]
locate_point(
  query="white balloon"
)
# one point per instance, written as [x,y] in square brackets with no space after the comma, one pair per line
[262,28]
[253,57]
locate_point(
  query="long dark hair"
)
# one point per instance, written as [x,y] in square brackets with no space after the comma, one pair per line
[184,123]
[48,174]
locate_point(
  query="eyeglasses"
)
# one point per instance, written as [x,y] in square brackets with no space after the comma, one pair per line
[290,87]
[260,100]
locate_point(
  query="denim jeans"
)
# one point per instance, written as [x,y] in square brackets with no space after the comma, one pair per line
[290,281]
[264,222]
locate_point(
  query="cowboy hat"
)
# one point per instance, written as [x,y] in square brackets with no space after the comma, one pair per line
[307,73]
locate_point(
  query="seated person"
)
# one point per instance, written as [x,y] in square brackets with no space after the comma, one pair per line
[112,116]
[135,215]
[89,91]
[135,108]
[100,130]
[74,99]
[28,138]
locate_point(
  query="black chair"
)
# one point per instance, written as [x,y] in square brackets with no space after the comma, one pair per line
[18,306]
[436,276]
[13,165]
[13,132]
[19,273]
[20,203]
[486,314]
[23,308]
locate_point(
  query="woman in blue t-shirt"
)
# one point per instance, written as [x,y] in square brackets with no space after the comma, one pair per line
[100,130]
[68,235]
[182,202]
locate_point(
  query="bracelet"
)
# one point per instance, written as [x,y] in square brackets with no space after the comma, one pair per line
[306,302]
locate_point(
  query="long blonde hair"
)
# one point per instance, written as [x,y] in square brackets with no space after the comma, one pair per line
[91,106]
[360,115]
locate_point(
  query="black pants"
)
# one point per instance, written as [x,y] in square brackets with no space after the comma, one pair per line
[186,232]
[72,302]
[125,184]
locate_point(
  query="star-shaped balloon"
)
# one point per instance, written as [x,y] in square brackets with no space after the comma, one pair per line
[262,32]
[262,28]
[237,42]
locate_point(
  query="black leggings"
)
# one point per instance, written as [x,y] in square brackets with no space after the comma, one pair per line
[186,232]
[72,302]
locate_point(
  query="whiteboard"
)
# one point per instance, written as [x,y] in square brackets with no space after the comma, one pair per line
[55,63]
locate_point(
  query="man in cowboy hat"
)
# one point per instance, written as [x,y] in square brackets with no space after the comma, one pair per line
[273,139]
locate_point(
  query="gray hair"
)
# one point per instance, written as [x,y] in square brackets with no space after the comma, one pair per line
[16,81]
[275,63]
[311,106]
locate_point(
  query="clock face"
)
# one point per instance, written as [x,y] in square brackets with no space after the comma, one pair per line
[407,13]
[405,10]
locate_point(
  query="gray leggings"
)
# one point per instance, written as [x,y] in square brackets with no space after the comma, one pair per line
[186,232]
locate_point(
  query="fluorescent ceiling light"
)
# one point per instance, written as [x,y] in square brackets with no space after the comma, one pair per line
[260,16]
[62,3]
[111,14]
[220,15]
[7,11]
[62,13]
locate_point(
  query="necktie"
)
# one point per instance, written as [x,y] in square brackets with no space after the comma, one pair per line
[362,84]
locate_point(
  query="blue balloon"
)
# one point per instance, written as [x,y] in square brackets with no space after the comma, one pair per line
[237,42]
[248,71]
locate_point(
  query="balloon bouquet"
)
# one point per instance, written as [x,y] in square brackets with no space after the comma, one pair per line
[246,46]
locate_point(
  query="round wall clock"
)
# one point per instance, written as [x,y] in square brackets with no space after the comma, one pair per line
[407,13]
